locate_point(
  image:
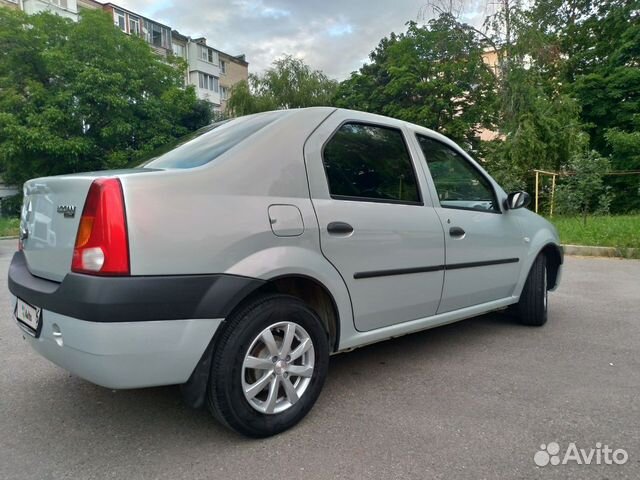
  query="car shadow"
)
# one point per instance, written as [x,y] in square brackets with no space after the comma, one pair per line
[159,413]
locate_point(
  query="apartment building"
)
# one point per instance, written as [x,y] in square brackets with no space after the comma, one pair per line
[64,8]
[10,3]
[213,73]
[204,71]
[232,71]
[156,34]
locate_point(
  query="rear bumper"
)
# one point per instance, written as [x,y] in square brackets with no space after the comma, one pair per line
[127,332]
[131,299]
[123,354]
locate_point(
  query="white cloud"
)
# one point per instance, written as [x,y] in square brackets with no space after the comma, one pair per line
[332,35]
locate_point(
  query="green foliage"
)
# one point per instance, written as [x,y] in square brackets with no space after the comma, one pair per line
[11,206]
[597,61]
[621,231]
[289,83]
[431,75]
[83,96]
[544,133]
[584,191]
[9,226]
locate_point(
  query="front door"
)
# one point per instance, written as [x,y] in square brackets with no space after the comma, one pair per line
[377,225]
[484,246]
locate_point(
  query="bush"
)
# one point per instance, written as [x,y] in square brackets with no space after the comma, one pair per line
[584,190]
[10,206]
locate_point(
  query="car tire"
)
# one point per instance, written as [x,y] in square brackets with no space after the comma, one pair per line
[532,307]
[247,357]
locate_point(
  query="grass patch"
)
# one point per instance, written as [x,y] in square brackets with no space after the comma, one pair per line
[9,226]
[622,231]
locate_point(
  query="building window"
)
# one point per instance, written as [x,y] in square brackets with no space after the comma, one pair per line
[166,37]
[178,50]
[223,93]
[208,82]
[59,3]
[120,20]
[134,25]
[157,35]
[208,55]
[223,67]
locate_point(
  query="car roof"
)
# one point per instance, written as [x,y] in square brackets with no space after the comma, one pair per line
[376,118]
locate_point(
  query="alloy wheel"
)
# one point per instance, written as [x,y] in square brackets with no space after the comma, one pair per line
[277,368]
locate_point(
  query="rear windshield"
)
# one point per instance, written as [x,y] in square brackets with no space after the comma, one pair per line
[208,143]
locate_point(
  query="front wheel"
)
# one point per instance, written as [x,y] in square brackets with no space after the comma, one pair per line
[532,307]
[269,366]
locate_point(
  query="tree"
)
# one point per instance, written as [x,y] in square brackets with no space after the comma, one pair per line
[584,190]
[539,122]
[432,75]
[599,43]
[83,96]
[289,83]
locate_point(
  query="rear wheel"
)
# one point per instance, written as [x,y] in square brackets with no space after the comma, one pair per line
[269,366]
[532,307]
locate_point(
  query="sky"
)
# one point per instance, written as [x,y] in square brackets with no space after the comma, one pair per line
[335,36]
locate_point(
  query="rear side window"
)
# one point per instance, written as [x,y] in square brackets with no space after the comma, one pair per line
[210,142]
[371,163]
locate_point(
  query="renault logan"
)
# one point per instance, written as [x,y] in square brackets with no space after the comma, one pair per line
[235,263]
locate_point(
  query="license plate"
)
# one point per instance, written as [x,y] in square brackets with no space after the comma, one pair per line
[28,314]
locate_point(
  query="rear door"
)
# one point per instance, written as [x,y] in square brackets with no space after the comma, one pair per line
[484,245]
[377,224]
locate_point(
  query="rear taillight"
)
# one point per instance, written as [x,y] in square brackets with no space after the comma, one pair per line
[102,245]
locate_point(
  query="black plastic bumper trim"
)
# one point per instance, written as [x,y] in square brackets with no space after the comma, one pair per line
[131,299]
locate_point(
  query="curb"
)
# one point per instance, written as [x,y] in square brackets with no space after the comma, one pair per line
[10,237]
[600,251]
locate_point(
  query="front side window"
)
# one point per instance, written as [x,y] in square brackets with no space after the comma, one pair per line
[370,163]
[458,183]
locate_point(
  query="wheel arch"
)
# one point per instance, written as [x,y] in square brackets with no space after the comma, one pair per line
[544,242]
[555,257]
[311,291]
[306,276]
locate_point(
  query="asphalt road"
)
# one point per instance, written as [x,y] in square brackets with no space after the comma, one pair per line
[471,400]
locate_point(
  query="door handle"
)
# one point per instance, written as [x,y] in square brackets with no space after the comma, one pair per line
[457,232]
[339,228]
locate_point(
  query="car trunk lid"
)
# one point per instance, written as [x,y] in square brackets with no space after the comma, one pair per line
[51,212]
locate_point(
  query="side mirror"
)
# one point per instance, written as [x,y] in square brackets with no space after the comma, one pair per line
[517,200]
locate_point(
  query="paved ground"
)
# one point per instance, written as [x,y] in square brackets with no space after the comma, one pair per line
[470,400]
